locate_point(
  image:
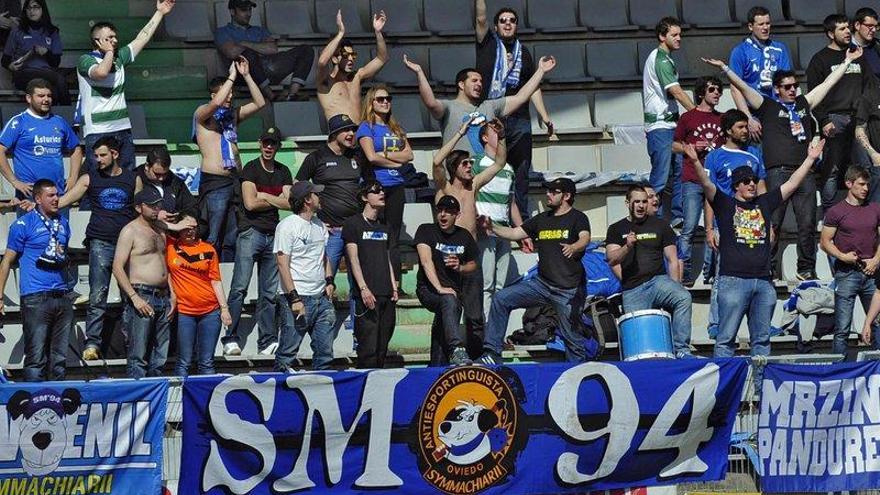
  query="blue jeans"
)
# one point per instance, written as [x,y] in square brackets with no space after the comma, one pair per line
[197,334]
[47,318]
[850,283]
[446,332]
[738,297]
[661,292]
[568,303]
[665,169]
[222,224]
[519,156]
[148,336]
[252,247]
[335,251]
[318,322]
[100,268]
[126,149]
[692,203]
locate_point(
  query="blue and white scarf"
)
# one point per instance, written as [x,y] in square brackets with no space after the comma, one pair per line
[797,127]
[502,78]
[225,118]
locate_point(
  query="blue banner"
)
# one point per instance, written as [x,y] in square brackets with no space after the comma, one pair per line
[72,437]
[819,427]
[550,428]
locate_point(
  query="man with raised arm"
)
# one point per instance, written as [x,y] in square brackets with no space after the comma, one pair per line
[787,128]
[339,85]
[101,74]
[215,130]
[466,106]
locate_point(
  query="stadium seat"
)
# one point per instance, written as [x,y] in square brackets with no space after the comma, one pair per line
[569,111]
[851,6]
[618,107]
[79,220]
[646,47]
[415,214]
[559,16]
[570,65]
[625,158]
[222,18]
[395,73]
[189,21]
[404,17]
[493,6]
[66,112]
[741,10]
[614,61]
[11,294]
[449,17]
[808,45]
[707,13]
[291,19]
[411,113]
[811,12]
[604,15]
[577,158]
[646,13]
[446,60]
[298,119]
[138,122]
[6,220]
[354,13]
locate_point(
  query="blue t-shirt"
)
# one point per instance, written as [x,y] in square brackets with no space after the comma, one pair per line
[755,63]
[21,42]
[235,33]
[38,145]
[721,163]
[383,139]
[29,237]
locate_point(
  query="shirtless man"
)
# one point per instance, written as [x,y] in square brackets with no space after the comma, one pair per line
[339,86]
[215,130]
[463,186]
[141,249]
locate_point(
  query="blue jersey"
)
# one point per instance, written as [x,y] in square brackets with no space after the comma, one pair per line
[755,63]
[38,145]
[30,238]
[721,163]
[383,140]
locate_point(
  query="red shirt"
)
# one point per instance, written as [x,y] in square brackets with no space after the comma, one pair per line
[703,130]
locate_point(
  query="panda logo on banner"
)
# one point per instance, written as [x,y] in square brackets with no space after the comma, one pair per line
[44,429]
[469,430]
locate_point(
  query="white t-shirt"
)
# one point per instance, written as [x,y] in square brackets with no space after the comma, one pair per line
[304,242]
[660,74]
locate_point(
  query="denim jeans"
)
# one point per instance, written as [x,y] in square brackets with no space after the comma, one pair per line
[373,329]
[252,247]
[661,292]
[692,205]
[665,169]
[495,264]
[519,156]
[197,335]
[222,224]
[335,251]
[100,268]
[47,318]
[318,322]
[850,283]
[446,333]
[148,336]
[126,149]
[568,304]
[804,205]
[739,297]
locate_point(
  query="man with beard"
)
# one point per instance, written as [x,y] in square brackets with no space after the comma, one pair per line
[156,173]
[560,234]
[215,131]
[865,36]
[339,85]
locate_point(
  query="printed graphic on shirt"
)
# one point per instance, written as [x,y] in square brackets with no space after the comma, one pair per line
[749,226]
[706,134]
[552,234]
[851,69]
[646,236]
[113,198]
[370,235]
[449,248]
[390,142]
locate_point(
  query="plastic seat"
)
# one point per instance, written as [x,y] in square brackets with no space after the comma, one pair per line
[851,6]
[447,60]
[414,215]
[808,45]
[559,16]
[812,12]
[354,13]
[298,118]
[570,66]
[410,112]
[449,17]
[493,6]
[138,122]
[741,9]
[403,17]
[394,72]
[624,158]
[604,15]
[577,158]
[291,18]
[569,111]
[646,13]
[79,220]
[189,21]
[615,61]
[707,13]
[618,107]
[222,17]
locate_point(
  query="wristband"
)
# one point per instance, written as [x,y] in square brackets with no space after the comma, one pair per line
[724,68]
[230,79]
[293,297]
[329,281]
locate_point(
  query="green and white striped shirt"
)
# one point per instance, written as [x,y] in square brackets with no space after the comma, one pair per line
[102,103]
[493,199]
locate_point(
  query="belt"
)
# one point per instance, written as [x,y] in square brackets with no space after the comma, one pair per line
[49,293]
[150,289]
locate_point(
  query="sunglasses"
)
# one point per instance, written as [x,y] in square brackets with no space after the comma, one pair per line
[714,89]
[507,20]
[746,182]
[269,144]
[350,55]
[376,190]
[383,99]
[468,161]
[788,87]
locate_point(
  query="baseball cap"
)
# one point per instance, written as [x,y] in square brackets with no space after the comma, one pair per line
[339,123]
[303,188]
[271,134]
[241,3]
[742,174]
[148,196]
[562,185]
[448,203]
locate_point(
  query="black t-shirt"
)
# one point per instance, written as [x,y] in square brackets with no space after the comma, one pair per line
[267,182]
[868,114]
[744,232]
[175,193]
[111,198]
[340,175]
[486,52]
[645,260]
[458,242]
[842,98]
[780,146]
[371,238]
[548,231]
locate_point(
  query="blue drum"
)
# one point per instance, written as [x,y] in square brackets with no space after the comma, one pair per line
[645,334]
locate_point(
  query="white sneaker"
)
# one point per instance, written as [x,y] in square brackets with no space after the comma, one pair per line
[270,349]
[231,349]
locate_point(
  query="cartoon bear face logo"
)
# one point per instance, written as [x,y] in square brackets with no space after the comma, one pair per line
[43,426]
[469,433]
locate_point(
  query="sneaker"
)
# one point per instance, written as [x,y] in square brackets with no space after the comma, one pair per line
[90,354]
[231,349]
[804,276]
[490,359]
[676,223]
[269,350]
[708,280]
[460,357]
[689,283]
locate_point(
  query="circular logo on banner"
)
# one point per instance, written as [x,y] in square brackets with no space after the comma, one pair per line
[467,430]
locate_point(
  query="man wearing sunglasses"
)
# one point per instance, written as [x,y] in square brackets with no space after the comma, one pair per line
[788,126]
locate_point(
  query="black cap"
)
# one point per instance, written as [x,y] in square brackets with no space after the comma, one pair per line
[742,174]
[303,188]
[271,134]
[339,123]
[240,3]
[562,185]
[148,196]
[448,203]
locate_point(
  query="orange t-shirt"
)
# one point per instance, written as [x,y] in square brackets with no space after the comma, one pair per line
[191,274]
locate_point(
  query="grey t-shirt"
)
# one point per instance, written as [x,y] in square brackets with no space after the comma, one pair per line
[455,113]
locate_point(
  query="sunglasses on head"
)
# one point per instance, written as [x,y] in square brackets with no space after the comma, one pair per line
[788,87]
[507,20]
[383,99]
